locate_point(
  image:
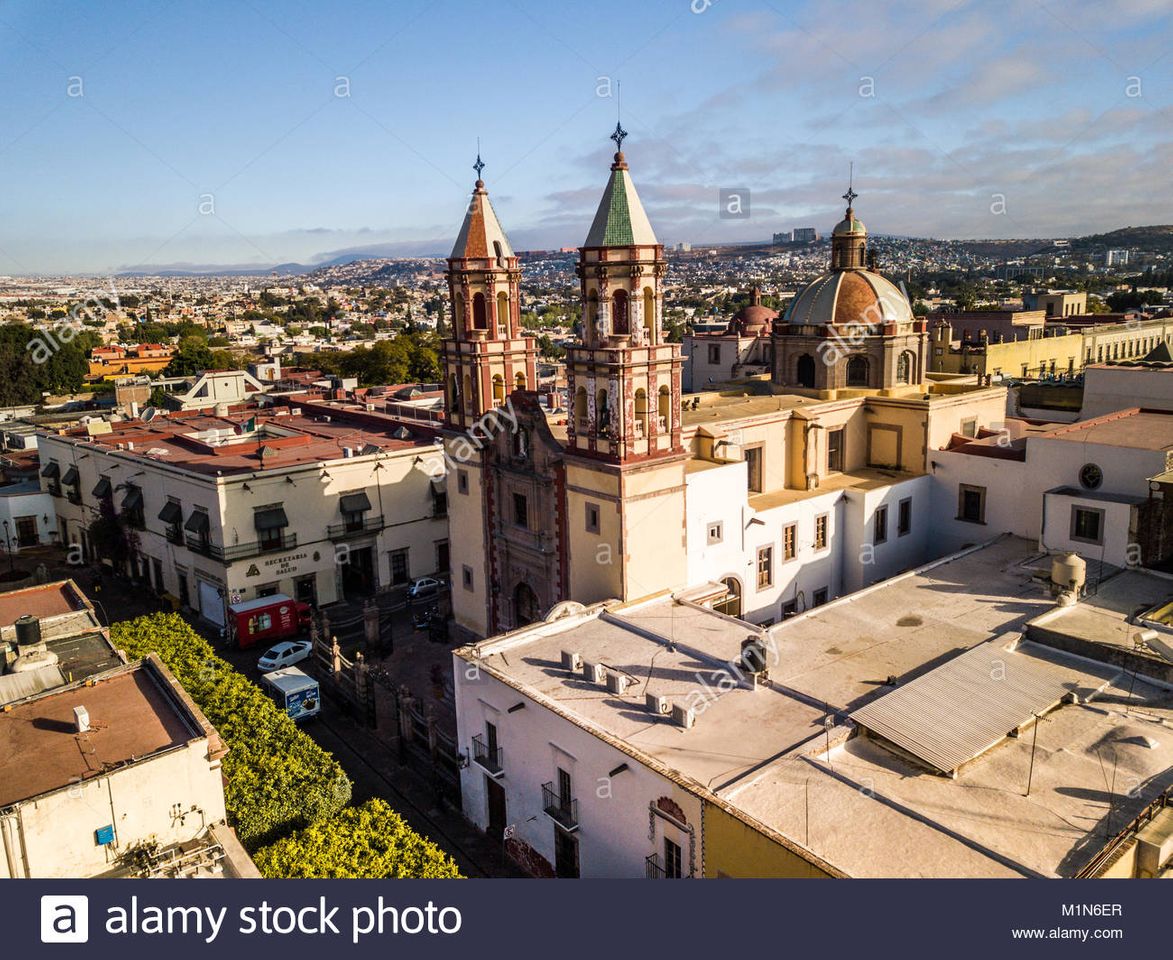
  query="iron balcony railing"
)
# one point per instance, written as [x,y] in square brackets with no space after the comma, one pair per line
[654,869]
[492,760]
[562,810]
[239,551]
[354,527]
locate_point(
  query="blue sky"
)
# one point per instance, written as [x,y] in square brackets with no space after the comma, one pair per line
[1060,108]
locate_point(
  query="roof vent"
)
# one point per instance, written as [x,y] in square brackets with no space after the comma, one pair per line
[571,661]
[81,719]
[657,705]
[617,682]
[683,716]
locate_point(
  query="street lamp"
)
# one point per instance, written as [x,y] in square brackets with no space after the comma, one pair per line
[8,550]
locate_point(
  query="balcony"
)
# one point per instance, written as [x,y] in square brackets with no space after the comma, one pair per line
[239,551]
[654,869]
[492,760]
[355,527]
[562,810]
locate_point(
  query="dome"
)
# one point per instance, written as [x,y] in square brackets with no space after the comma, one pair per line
[753,320]
[843,297]
[849,226]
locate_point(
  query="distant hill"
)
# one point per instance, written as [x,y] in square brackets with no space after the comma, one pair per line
[1158,239]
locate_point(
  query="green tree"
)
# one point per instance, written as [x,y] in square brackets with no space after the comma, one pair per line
[192,356]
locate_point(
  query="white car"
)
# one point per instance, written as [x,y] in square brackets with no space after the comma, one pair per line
[425,587]
[284,655]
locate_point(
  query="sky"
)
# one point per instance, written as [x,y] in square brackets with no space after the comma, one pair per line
[146,135]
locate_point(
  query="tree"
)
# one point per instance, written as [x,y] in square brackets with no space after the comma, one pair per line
[192,356]
[33,362]
[367,842]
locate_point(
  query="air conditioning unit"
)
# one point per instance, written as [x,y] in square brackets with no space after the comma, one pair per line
[683,716]
[657,705]
[571,661]
[594,673]
[617,682]
[754,655]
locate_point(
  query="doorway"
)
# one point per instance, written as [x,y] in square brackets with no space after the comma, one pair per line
[525,605]
[495,801]
[358,573]
[565,855]
[26,531]
[305,589]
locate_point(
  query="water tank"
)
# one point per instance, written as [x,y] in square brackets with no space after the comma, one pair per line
[28,631]
[27,662]
[1068,572]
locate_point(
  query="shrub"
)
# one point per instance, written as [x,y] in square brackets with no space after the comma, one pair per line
[367,842]
[279,780]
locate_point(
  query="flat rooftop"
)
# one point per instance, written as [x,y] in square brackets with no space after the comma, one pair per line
[1135,428]
[44,600]
[133,715]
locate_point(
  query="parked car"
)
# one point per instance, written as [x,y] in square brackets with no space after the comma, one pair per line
[424,587]
[284,655]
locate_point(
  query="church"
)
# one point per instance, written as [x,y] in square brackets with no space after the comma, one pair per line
[797,483]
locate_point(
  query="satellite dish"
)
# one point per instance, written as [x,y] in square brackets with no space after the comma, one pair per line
[149,414]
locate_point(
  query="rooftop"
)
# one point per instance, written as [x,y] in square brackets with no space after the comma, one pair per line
[1134,427]
[44,600]
[134,711]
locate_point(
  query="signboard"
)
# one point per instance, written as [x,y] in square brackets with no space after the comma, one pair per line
[302,703]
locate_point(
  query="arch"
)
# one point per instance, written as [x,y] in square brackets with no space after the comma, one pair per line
[731,604]
[857,371]
[503,324]
[592,312]
[650,313]
[805,370]
[602,414]
[521,444]
[620,315]
[480,319]
[526,608]
[641,412]
[453,393]
[457,315]
[664,408]
[498,388]
[498,253]
[905,363]
[519,380]
[580,407]
[467,393]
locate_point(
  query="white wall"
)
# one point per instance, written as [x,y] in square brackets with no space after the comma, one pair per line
[1108,389]
[33,502]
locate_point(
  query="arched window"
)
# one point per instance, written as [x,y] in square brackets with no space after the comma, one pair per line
[453,393]
[498,388]
[526,608]
[806,371]
[580,409]
[592,312]
[519,380]
[664,409]
[620,322]
[521,444]
[479,319]
[457,315]
[467,393]
[503,314]
[498,253]
[857,371]
[904,367]
[730,604]
[650,313]
[602,414]
[641,412]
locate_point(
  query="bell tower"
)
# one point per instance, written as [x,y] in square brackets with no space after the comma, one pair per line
[624,455]
[624,379]
[487,357]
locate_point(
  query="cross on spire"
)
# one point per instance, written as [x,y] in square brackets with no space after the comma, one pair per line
[479,165]
[618,136]
[850,195]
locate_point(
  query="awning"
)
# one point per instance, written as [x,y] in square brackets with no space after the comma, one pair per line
[272,518]
[198,522]
[133,499]
[71,477]
[103,488]
[172,512]
[354,502]
[52,470]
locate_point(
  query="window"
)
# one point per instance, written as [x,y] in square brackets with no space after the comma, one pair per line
[400,569]
[969,427]
[904,517]
[520,510]
[765,567]
[672,860]
[714,353]
[789,609]
[466,577]
[971,503]
[462,481]
[439,501]
[835,449]
[857,371]
[753,469]
[821,532]
[789,541]
[716,533]
[904,367]
[592,518]
[819,597]
[880,525]
[442,554]
[1087,525]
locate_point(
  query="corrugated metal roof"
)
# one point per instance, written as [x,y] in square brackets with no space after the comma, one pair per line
[966,706]
[17,686]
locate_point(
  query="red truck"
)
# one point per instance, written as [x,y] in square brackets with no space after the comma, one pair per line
[275,617]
